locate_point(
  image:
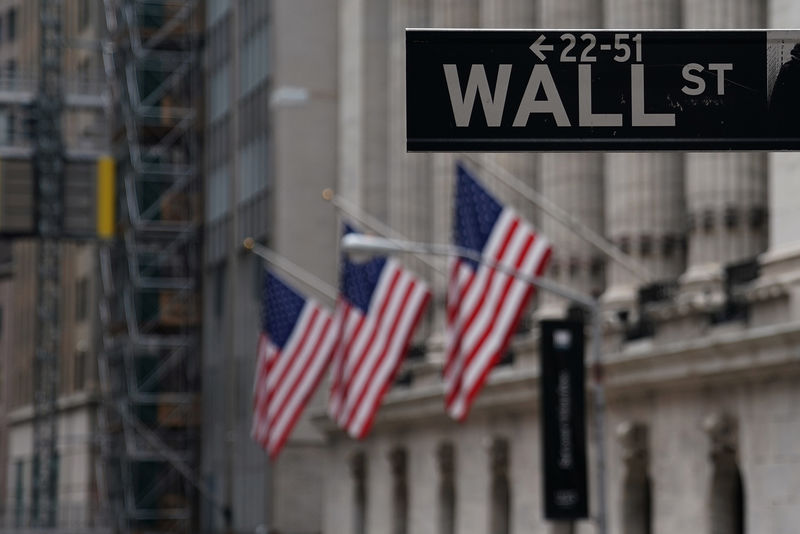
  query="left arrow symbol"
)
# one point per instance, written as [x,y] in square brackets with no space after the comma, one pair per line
[538,48]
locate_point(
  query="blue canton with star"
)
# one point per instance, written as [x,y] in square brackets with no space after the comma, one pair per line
[359,279]
[476,214]
[281,309]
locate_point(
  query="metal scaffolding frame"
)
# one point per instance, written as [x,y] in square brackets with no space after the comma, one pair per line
[150,359]
[49,175]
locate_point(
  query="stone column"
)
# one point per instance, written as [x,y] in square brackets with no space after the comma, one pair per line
[409,202]
[784,176]
[726,513]
[409,180]
[636,497]
[375,114]
[508,13]
[363,116]
[351,28]
[523,165]
[726,193]
[511,14]
[644,201]
[445,14]
[574,182]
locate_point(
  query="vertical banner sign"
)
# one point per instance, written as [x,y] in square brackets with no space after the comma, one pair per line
[563,420]
[492,90]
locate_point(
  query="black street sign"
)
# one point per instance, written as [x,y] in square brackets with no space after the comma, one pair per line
[563,420]
[546,90]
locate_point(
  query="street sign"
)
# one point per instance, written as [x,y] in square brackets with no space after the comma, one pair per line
[563,420]
[548,90]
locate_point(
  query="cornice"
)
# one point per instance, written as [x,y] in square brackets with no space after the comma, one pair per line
[722,355]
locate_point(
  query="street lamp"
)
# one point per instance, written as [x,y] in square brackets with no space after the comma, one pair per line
[355,243]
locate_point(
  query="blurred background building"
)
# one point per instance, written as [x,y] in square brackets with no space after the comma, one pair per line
[226,119]
[270,74]
[86,138]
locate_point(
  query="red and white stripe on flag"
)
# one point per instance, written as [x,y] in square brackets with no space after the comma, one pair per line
[287,377]
[484,306]
[372,345]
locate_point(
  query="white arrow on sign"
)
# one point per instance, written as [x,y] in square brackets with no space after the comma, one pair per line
[538,47]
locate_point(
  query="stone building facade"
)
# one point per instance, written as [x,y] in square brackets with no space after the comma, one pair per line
[269,151]
[85,136]
[701,371]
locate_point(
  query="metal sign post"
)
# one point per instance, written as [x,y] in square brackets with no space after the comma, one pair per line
[563,420]
[580,90]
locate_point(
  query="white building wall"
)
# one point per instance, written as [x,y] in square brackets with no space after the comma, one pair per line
[76,499]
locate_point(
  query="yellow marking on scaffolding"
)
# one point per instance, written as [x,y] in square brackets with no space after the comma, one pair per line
[106,197]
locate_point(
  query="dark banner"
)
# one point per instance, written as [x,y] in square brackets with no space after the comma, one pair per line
[563,420]
[602,90]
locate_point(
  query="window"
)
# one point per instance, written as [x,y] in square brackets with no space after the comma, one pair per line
[219,291]
[500,516]
[399,491]
[79,380]
[219,93]
[216,10]
[637,517]
[726,492]
[447,490]
[84,14]
[254,60]
[12,24]
[359,471]
[258,278]
[19,492]
[81,299]
[35,472]
[217,200]
[253,167]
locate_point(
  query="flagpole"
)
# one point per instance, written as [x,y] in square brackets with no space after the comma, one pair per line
[373,224]
[291,268]
[366,243]
[564,217]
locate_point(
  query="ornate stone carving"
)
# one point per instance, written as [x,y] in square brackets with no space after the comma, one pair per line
[632,438]
[499,457]
[722,431]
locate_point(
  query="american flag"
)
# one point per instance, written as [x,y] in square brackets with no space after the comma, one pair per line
[484,304]
[294,349]
[379,306]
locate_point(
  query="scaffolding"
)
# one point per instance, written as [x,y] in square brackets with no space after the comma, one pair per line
[149,367]
[49,176]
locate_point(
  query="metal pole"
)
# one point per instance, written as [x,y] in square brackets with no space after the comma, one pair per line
[564,217]
[291,268]
[599,414]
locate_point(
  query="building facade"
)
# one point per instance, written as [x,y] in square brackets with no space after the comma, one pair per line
[270,150]
[701,369]
[78,502]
